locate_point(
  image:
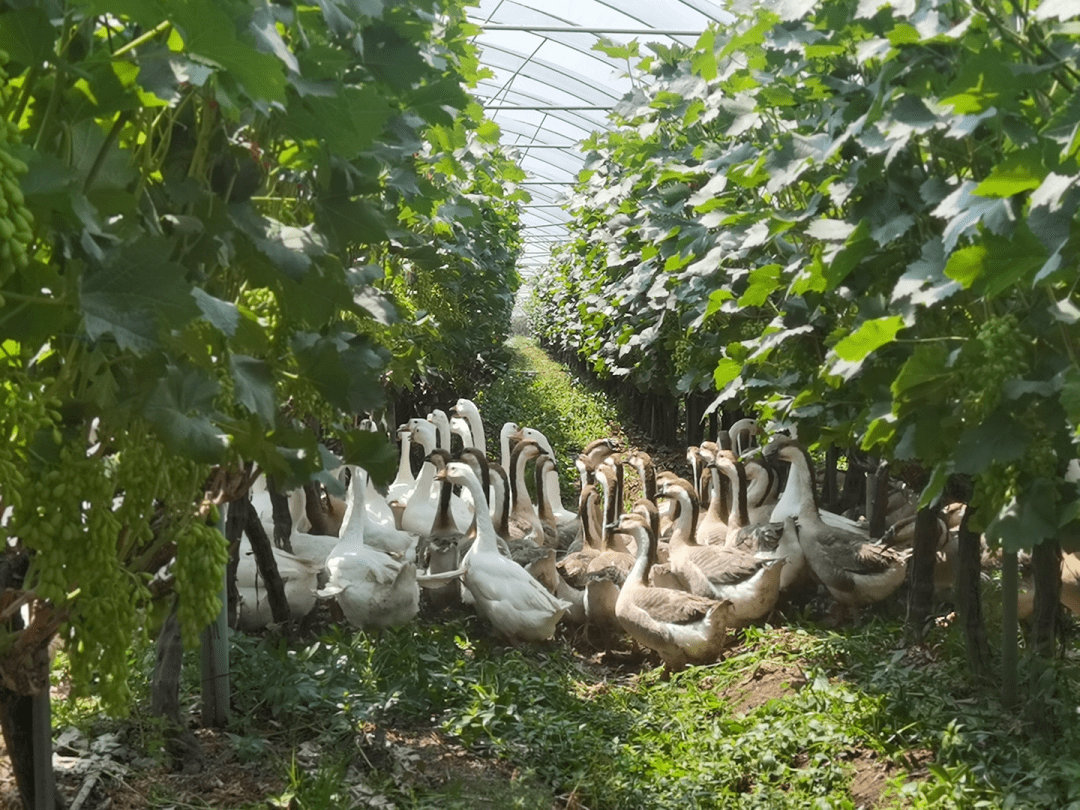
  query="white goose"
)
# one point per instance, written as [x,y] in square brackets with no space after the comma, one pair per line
[518,607]
[299,577]
[460,427]
[467,410]
[374,589]
[766,541]
[442,426]
[422,505]
[510,433]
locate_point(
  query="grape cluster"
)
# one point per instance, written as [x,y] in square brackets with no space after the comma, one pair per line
[201,555]
[681,355]
[1001,356]
[85,515]
[16,222]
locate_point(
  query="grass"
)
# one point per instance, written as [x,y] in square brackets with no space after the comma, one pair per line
[538,392]
[794,717]
[550,725]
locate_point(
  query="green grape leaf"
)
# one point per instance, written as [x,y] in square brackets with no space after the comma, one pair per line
[374,452]
[923,373]
[135,295]
[27,35]
[179,407]
[870,336]
[997,438]
[1027,521]
[345,373]
[726,371]
[1070,395]
[996,263]
[763,282]
[210,35]
[224,315]
[253,384]
[1021,171]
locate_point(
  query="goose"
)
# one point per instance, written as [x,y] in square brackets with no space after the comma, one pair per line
[743,435]
[441,422]
[517,606]
[681,627]
[752,585]
[524,521]
[642,462]
[693,458]
[788,506]
[419,432]
[856,571]
[467,410]
[766,541]
[607,478]
[508,436]
[607,570]
[539,561]
[575,564]
[460,427]
[405,478]
[444,545]
[596,451]
[420,509]
[534,435]
[374,589]
[762,489]
[712,528]
[557,520]
[299,576]
[380,526]
[593,454]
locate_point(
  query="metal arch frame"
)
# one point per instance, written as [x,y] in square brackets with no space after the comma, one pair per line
[529,132]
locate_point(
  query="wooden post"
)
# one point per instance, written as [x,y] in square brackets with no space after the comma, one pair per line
[921,592]
[44,777]
[1010,594]
[969,598]
[214,655]
[829,493]
[1046,571]
[877,493]
[282,516]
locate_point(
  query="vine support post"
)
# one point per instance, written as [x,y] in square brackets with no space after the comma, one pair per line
[1010,590]
[921,592]
[214,656]
[44,777]
[969,598]
[829,492]
[877,498]
[1046,571]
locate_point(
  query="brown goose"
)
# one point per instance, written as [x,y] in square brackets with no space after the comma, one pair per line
[765,540]
[856,571]
[752,585]
[681,627]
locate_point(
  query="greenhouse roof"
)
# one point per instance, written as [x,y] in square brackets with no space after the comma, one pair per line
[550,89]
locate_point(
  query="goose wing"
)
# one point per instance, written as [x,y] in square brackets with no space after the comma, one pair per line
[723,566]
[673,607]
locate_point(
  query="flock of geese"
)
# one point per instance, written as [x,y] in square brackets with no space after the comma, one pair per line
[692,559]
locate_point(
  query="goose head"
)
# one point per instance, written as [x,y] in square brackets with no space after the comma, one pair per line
[423,433]
[442,424]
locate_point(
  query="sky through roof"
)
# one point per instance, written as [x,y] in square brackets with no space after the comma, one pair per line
[550,89]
